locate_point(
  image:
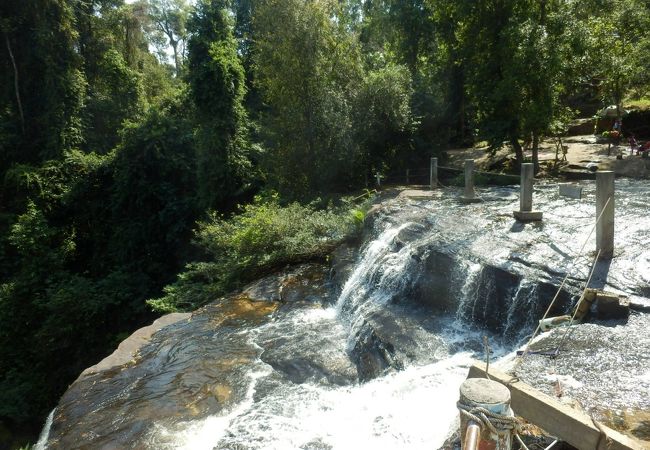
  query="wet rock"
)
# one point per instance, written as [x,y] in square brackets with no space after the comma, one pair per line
[129,348]
[268,289]
[433,287]
[376,345]
[612,306]
[302,283]
[306,283]
[372,355]
[601,365]
[343,260]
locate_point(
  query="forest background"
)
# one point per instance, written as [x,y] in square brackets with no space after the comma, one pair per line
[156,154]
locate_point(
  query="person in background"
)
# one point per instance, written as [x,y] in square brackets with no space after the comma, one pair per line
[634,146]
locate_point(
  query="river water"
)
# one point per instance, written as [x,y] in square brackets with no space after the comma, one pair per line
[377,361]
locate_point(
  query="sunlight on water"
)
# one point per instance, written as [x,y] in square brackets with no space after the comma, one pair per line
[412,409]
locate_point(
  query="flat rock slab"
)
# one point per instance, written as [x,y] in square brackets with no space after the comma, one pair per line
[527,216]
[129,347]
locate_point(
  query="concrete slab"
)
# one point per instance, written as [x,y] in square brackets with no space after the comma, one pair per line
[571,190]
[528,216]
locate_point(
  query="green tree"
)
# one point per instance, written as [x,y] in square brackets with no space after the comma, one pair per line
[308,84]
[382,118]
[114,52]
[617,37]
[513,62]
[41,85]
[217,87]
[169,19]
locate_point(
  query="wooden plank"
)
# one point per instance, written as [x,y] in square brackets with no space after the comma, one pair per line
[569,424]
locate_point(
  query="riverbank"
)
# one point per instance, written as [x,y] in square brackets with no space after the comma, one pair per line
[584,155]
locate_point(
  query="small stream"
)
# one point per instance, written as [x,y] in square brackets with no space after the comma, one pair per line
[376,362]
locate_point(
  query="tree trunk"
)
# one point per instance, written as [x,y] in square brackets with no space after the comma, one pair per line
[174,45]
[16,86]
[519,153]
[536,152]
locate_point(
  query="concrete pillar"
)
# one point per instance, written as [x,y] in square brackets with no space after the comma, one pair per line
[526,187]
[433,173]
[526,213]
[481,392]
[469,196]
[605,210]
[378,178]
[408,179]
[469,178]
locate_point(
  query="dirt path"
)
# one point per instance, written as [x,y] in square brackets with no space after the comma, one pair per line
[583,152]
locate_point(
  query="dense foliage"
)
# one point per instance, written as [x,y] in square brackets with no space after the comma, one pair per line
[264,236]
[121,125]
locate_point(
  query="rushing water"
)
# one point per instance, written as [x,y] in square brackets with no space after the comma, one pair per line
[242,375]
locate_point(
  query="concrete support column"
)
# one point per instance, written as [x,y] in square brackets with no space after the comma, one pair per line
[469,196]
[526,187]
[526,212]
[378,178]
[605,210]
[408,178]
[433,173]
[469,178]
[484,393]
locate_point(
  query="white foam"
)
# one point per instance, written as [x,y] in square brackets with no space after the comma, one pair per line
[412,409]
[45,432]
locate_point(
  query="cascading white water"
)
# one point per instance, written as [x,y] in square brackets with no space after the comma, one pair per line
[523,300]
[380,273]
[410,409]
[45,433]
[469,276]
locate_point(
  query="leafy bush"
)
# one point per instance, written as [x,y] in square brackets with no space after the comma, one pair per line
[263,237]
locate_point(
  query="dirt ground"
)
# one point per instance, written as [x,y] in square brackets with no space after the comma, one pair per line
[584,153]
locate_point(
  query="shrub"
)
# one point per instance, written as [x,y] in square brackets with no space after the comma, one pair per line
[262,238]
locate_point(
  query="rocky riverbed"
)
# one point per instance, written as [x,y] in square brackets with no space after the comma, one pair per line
[370,351]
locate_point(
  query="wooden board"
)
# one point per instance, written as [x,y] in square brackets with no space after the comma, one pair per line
[569,424]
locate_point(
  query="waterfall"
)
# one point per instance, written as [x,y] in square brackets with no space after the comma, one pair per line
[383,273]
[45,433]
[469,275]
[523,302]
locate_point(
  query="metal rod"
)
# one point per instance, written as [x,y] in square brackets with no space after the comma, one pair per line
[472,435]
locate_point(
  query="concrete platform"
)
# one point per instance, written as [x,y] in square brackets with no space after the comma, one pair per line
[527,216]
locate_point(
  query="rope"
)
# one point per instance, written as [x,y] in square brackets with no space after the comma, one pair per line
[521,442]
[602,434]
[487,357]
[521,358]
[582,297]
[499,424]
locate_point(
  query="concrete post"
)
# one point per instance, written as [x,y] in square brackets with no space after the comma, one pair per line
[526,212]
[481,392]
[469,196]
[605,210]
[433,173]
[408,179]
[378,178]
[526,187]
[469,178]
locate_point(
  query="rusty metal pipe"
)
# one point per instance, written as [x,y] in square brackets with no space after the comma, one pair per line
[472,435]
